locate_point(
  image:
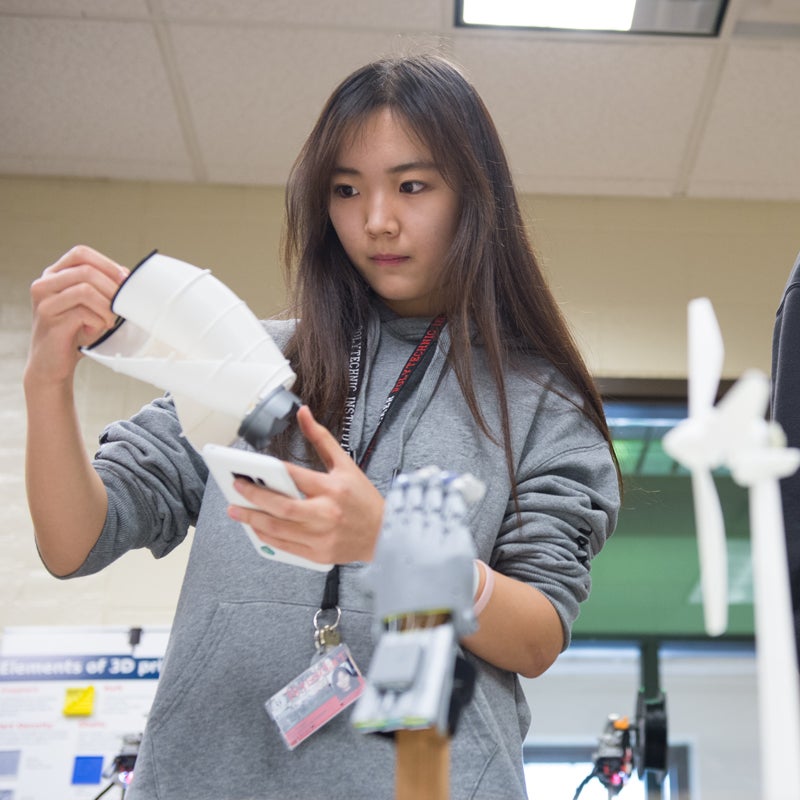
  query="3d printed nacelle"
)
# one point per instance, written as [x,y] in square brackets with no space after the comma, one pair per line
[187,333]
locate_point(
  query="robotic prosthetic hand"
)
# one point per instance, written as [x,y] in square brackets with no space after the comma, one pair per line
[422,578]
[187,333]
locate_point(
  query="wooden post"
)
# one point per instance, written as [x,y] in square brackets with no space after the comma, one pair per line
[423,765]
[422,760]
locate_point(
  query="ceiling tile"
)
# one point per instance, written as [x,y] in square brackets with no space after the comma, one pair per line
[254,94]
[351,15]
[88,97]
[100,9]
[752,138]
[590,115]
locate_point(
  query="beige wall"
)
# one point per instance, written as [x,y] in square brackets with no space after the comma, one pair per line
[623,270]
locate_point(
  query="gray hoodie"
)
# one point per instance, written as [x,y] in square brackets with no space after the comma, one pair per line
[243,625]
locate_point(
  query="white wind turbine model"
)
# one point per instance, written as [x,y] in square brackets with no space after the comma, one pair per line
[736,435]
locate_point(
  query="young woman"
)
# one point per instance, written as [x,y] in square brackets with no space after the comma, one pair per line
[403,227]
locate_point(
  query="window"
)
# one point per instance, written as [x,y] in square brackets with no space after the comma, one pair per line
[646,581]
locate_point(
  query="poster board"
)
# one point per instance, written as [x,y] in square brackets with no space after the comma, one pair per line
[73,704]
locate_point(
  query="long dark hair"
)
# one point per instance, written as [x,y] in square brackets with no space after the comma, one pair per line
[492,284]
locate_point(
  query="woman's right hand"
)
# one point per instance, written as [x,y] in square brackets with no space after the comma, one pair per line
[71,309]
[67,499]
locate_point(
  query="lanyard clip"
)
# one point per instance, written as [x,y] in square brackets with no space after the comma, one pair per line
[327,635]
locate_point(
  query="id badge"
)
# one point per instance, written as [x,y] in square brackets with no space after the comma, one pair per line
[316,696]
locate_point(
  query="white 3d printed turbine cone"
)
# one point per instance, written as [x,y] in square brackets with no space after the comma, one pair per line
[184,331]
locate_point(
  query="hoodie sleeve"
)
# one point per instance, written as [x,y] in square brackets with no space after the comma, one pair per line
[155,482]
[568,505]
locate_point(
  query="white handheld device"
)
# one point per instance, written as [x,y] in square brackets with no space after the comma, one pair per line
[229,463]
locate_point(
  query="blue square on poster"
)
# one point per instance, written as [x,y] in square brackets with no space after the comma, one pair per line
[87,769]
[9,763]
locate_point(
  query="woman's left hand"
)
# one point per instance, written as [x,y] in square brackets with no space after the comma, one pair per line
[337,521]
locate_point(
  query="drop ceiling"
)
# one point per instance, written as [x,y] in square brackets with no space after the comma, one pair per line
[224,91]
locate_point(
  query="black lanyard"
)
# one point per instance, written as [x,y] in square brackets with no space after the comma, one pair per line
[408,379]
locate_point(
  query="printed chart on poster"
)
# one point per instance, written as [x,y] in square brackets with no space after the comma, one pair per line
[73,705]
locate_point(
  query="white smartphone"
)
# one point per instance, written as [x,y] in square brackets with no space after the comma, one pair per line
[226,464]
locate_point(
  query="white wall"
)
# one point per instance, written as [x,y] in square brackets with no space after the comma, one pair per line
[623,270]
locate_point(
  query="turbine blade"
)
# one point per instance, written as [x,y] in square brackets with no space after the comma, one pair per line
[712,552]
[746,400]
[706,354]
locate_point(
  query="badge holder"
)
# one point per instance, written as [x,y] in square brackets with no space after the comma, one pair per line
[331,684]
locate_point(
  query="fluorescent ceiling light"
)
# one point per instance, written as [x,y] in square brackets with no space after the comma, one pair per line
[660,17]
[603,15]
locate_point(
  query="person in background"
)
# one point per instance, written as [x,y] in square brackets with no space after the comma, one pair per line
[785,410]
